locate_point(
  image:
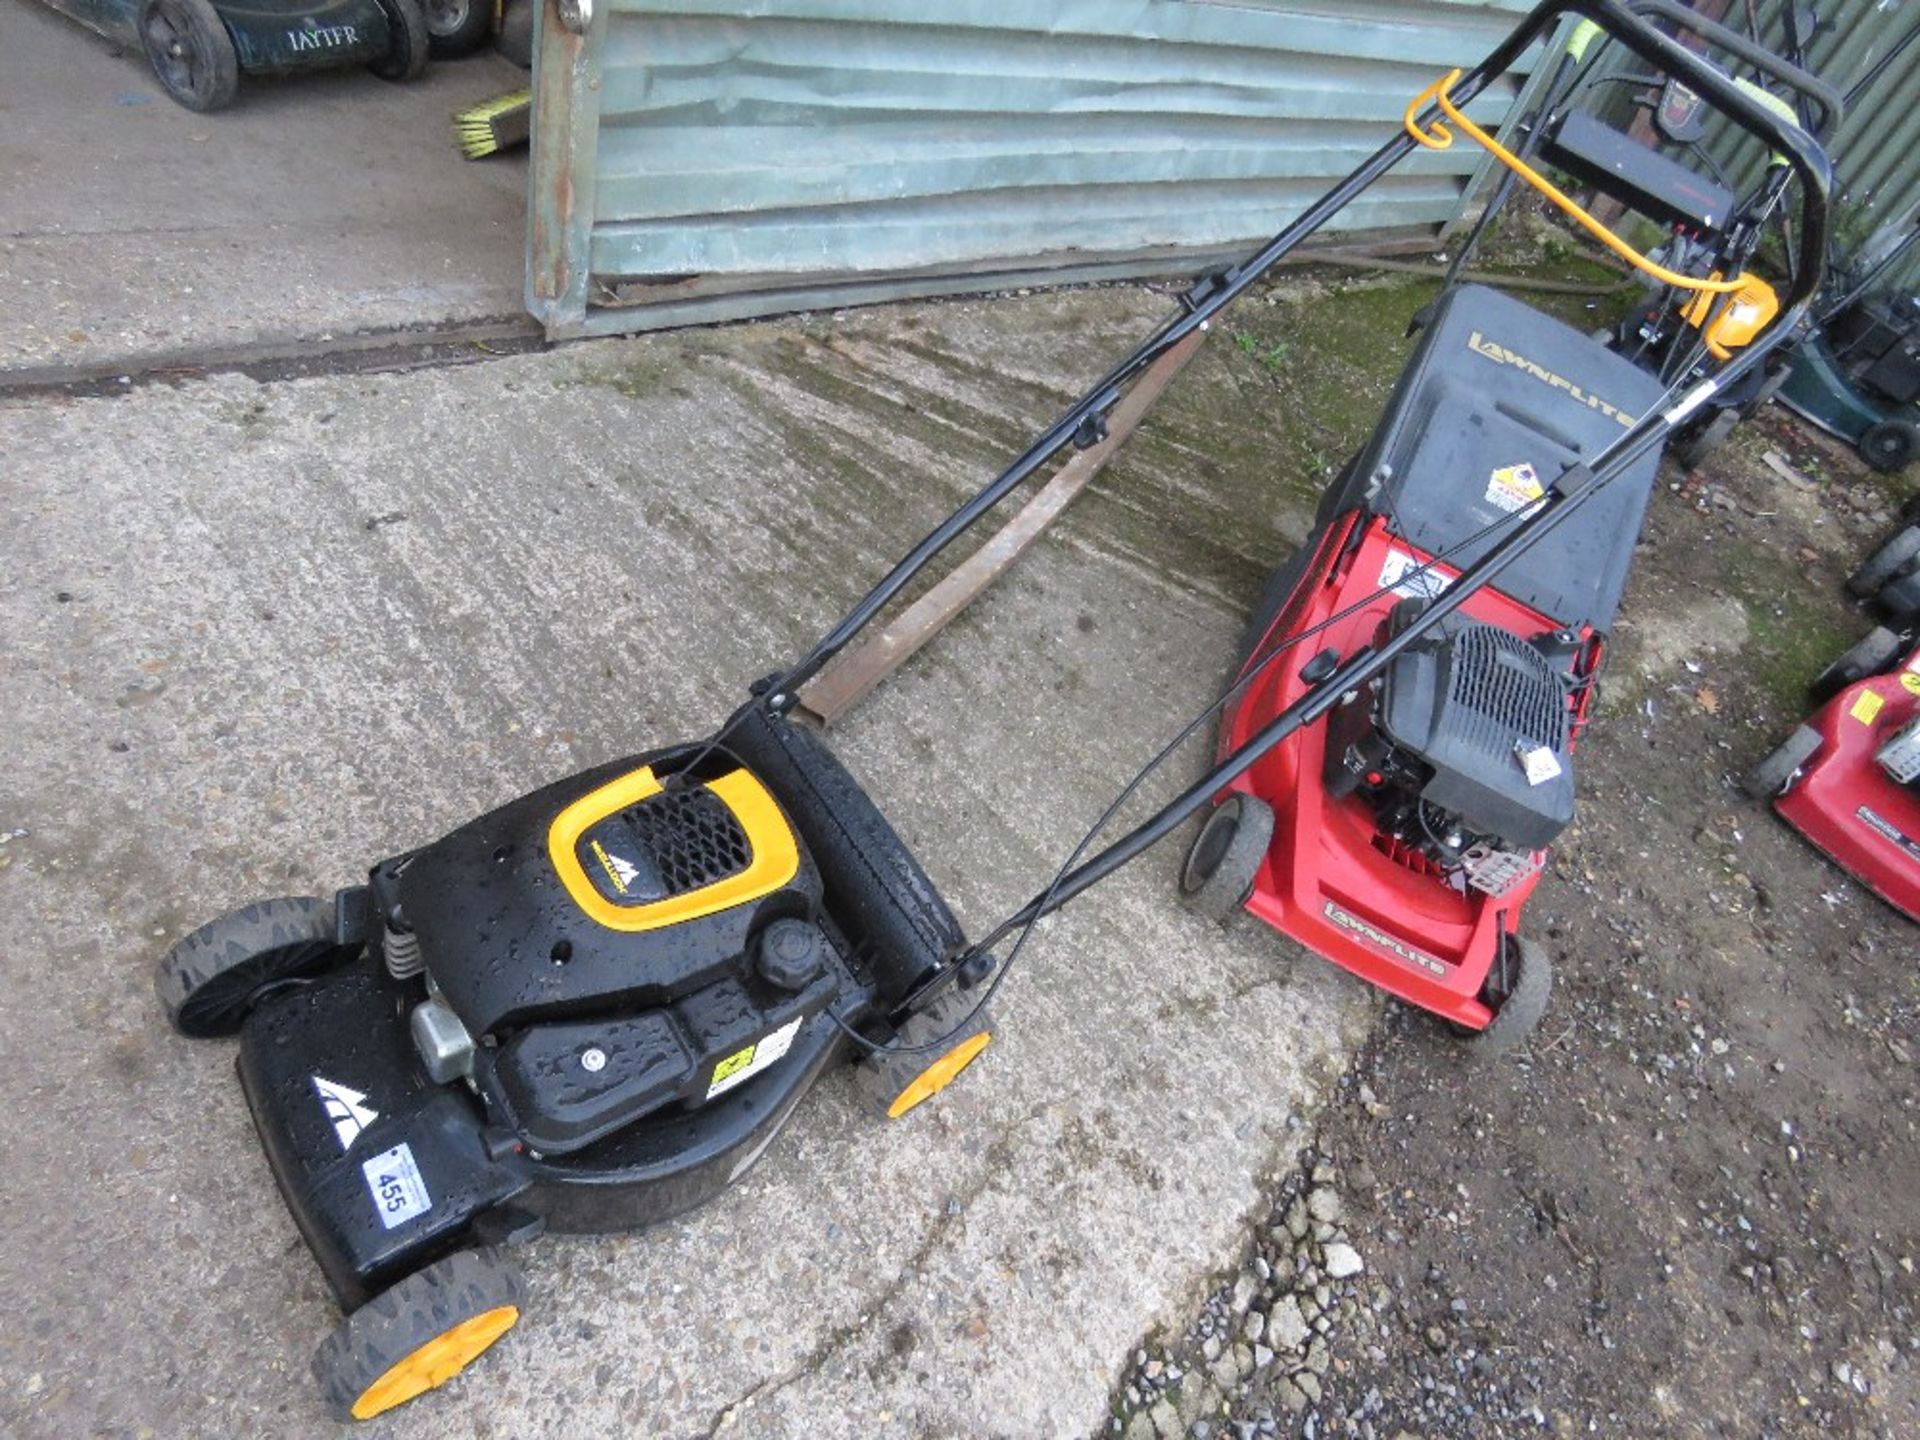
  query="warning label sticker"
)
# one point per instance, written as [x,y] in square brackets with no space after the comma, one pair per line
[1910,682]
[1514,487]
[1397,573]
[1866,706]
[752,1059]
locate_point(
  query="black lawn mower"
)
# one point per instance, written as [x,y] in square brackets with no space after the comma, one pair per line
[596,1006]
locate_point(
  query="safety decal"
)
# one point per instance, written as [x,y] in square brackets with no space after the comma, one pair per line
[1539,761]
[1910,682]
[1397,575]
[1866,706]
[1514,487]
[398,1189]
[752,1059]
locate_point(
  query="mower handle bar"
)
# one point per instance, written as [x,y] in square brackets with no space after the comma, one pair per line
[1203,303]
[1832,106]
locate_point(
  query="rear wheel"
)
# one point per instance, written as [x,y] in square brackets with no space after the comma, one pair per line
[1900,597]
[1899,551]
[458,27]
[1528,976]
[1774,774]
[409,42]
[928,1053]
[419,1334]
[1890,445]
[191,53]
[1869,655]
[1225,857]
[211,980]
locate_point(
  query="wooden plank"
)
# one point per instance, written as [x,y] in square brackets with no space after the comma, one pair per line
[855,671]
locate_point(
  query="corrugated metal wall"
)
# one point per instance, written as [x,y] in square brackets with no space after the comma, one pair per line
[1874,151]
[712,159]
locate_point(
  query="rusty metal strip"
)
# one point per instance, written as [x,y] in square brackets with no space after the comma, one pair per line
[856,671]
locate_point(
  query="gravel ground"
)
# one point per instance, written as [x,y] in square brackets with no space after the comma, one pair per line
[1687,1208]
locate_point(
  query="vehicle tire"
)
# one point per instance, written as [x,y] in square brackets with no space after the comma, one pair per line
[419,1334]
[1894,556]
[1869,655]
[1518,1015]
[209,981]
[410,44]
[1774,774]
[929,1052]
[1225,856]
[1890,445]
[191,53]
[1707,439]
[458,27]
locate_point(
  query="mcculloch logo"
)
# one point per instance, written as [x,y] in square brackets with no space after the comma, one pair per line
[1500,354]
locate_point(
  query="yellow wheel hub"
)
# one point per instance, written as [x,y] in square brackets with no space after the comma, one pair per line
[937,1076]
[435,1362]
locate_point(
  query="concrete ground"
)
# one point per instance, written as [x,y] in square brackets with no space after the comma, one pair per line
[260,635]
[131,229]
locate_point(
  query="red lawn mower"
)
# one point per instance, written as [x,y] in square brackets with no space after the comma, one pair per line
[1846,779]
[1402,838]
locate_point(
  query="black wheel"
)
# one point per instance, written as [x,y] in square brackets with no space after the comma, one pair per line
[1707,439]
[210,980]
[190,51]
[410,43]
[1225,856]
[458,27]
[1526,970]
[1869,655]
[1890,445]
[419,1334]
[931,1050]
[1899,551]
[1900,597]
[1774,774]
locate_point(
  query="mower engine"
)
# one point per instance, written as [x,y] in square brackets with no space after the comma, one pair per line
[1462,749]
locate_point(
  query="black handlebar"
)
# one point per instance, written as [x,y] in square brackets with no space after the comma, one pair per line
[1832,107]
[1624,23]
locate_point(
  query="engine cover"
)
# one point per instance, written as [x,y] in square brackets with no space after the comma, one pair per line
[603,892]
[1477,706]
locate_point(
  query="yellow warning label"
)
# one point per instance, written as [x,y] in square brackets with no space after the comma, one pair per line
[1910,682]
[1866,707]
[1513,487]
[739,1060]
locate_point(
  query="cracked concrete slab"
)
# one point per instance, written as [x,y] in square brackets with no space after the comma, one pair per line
[260,635]
[132,229]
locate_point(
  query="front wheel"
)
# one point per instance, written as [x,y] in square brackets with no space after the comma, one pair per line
[409,41]
[458,27]
[1774,774]
[1225,857]
[191,53]
[419,1334]
[1869,655]
[1890,445]
[1893,557]
[928,1053]
[211,980]
[1528,979]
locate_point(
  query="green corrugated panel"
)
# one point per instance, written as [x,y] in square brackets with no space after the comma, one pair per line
[793,151]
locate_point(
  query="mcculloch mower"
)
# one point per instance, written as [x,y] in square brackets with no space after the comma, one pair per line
[596,1006]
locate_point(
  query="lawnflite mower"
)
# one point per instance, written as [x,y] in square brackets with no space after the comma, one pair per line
[597,1005]
[1847,778]
[1403,838]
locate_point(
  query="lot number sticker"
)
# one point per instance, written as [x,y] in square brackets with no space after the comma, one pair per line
[394,1180]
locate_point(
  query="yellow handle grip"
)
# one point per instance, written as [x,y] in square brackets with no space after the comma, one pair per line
[1436,136]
